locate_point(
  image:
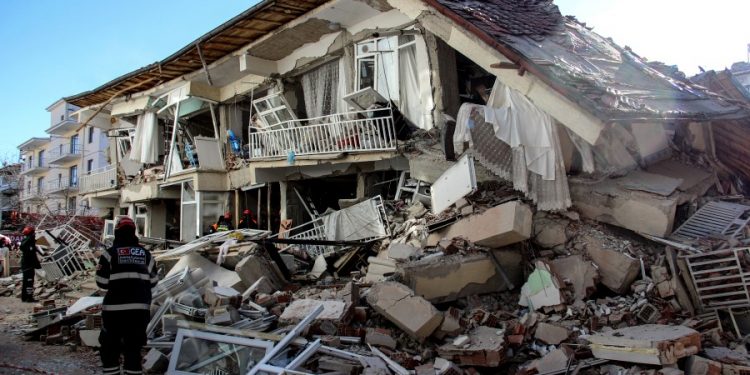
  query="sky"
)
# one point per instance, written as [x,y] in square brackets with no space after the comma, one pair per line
[52,49]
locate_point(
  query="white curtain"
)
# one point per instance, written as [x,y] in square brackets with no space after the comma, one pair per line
[320,87]
[145,147]
[411,103]
[520,123]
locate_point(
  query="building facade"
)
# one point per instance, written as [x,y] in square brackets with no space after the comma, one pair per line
[52,167]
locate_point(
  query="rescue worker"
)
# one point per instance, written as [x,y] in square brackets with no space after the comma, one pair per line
[29,263]
[247,221]
[225,223]
[127,272]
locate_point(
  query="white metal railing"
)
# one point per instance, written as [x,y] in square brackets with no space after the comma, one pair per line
[62,184]
[64,150]
[362,131]
[312,230]
[31,193]
[34,165]
[100,179]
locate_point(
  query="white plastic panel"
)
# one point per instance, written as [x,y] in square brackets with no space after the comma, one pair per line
[455,183]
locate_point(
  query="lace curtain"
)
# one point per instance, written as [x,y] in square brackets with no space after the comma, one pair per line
[320,87]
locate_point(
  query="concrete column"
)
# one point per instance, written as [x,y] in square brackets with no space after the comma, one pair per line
[360,185]
[282,199]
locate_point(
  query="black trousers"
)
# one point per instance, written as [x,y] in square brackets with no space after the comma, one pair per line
[123,332]
[27,285]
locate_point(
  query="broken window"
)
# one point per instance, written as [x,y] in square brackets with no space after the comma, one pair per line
[197,352]
[273,110]
[192,128]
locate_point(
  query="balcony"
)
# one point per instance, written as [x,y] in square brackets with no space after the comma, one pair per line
[64,153]
[61,186]
[35,168]
[98,180]
[8,188]
[31,194]
[63,127]
[353,132]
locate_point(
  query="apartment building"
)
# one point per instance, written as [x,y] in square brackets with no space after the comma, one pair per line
[295,107]
[52,166]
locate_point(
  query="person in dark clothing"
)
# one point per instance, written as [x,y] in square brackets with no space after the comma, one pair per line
[127,272]
[29,263]
[247,221]
[224,223]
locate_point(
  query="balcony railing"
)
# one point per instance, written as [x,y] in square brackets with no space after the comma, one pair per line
[35,167]
[33,193]
[364,131]
[61,186]
[64,153]
[100,179]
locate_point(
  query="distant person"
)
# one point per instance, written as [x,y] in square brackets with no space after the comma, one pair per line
[127,272]
[228,219]
[29,263]
[247,221]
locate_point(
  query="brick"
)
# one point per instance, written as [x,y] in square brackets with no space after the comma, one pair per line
[485,348]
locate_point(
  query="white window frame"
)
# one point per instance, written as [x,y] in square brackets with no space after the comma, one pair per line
[272,111]
[376,54]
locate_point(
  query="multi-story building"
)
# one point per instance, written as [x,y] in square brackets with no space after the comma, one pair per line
[9,184]
[298,105]
[53,166]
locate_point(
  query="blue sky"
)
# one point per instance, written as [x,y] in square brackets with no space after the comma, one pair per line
[53,49]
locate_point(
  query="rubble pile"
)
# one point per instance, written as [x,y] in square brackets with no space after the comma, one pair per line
[485,286]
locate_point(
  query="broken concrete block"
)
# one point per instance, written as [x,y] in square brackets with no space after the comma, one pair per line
[541,289]
[486,347]
[380,337]
[90,337]
[650,343]
[551,334]
[451,325]
[448,278]
[499,226]
[581,274]
[617,270]
[397,303]
[556,360]
[416,210]
[548,232]
[696,365]
[338,365]
[402,252]
[379,268]
[336,311]
[218,295]
[155,362]
[255,266]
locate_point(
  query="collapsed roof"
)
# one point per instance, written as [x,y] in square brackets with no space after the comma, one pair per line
[610,81]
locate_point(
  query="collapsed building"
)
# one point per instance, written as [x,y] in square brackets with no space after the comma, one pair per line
[413,147]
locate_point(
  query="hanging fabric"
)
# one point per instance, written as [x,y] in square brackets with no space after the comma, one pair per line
[411,102]
[518,122]
[320,88]
[145,148]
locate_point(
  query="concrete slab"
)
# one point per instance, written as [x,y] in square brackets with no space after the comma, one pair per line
[551,334]
[397,303]
[649,343]
[617,270]
[335,311]
[498,226]
[581,274]
[448,278]
[486,348]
